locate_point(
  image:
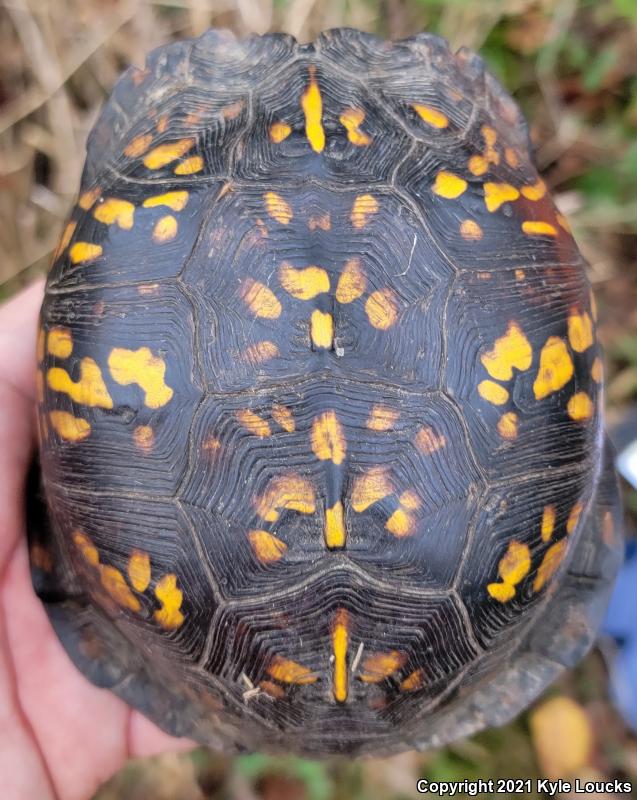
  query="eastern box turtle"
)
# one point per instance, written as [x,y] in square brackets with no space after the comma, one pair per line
[323,466]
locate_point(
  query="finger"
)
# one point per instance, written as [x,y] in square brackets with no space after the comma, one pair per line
[146,739]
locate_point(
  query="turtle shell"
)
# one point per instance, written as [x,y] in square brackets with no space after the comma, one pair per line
[322,459]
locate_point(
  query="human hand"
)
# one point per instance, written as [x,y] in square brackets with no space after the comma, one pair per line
[60,737]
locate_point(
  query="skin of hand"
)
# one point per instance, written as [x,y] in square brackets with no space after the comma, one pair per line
[60,737]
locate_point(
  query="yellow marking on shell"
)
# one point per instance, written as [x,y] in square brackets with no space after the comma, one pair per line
[510,351]
[431,115]
[312,106]
[89,390]
[512,568]
[520,274]
[139,145]
[322,329]
[597,370]
[580,407]
[369,488]
[86,548]
[190,166]
[363,208]
[82,252]
[493,392]
[287,671]
[573,517]
[378,666]
[413,681]
[65,239]
[381,418]
[478,165]
[535,191]
[144,369]
[115,212]
[253,423]
[352,119]
[165,154]
[144,438]
[162,124]
[277,208]
[68,427]
[548,522]
[60,342]
[340,642]
[261,300]
[563,223]
[536,228]
[304,284]
[272,689]
[490,135]
[555,370]
[176,200]
[428,441]
[496,194]
[139,570]
[352,282]
[115,584]
[261,352]
[334,531]
[286,492]
[267,547]
[165,229]
[508,425]
[169,616]
[401,523]
[580,331]
[410,500]
[283,417]
[470,230]
[322,221]
[87,199]
[550,564]
[279,131]
[211,445]
[381,308]
[449,185]
[511,157]
[328,438]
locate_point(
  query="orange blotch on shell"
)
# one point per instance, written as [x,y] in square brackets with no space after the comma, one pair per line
[59,342]
[470,230]
[515,564]
[580,407]
[328,438]
[165,154]
[448,185]
[597,370]
[287,671]
[88,390]
[555,370]
[489,135]
[143,368]
[538,228]
[580,331]
[286,492]
[502,592]
[283,417]
[41,558]
[273,690]
[548,522]
[82,252]
[261,352]
[86,548]
[267,547]
[176,200]
[304,284]
[535,191]
[69,427]
[260,299]
[432,116]
[511,157]
[139,145]
[381,308]
[162,123]
[401,523]
[112,211]
[87,199]
[190,166]
[277,208]
[352,282]
[428,441]
[508,425]
[254,423]
[378,666]
[138,570]
[144,438]
[279,131]
[496,194]
[478,165]
[550,564]
[322,329]
[115,584]
[573,517]
[352,119]
[363,208]
[410,500]
[165,229]
[322,221]
[512,350]
[381,418]
[369,488]
[65,239]
[169,616]
[413,681]
[520,274]
[493,392]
